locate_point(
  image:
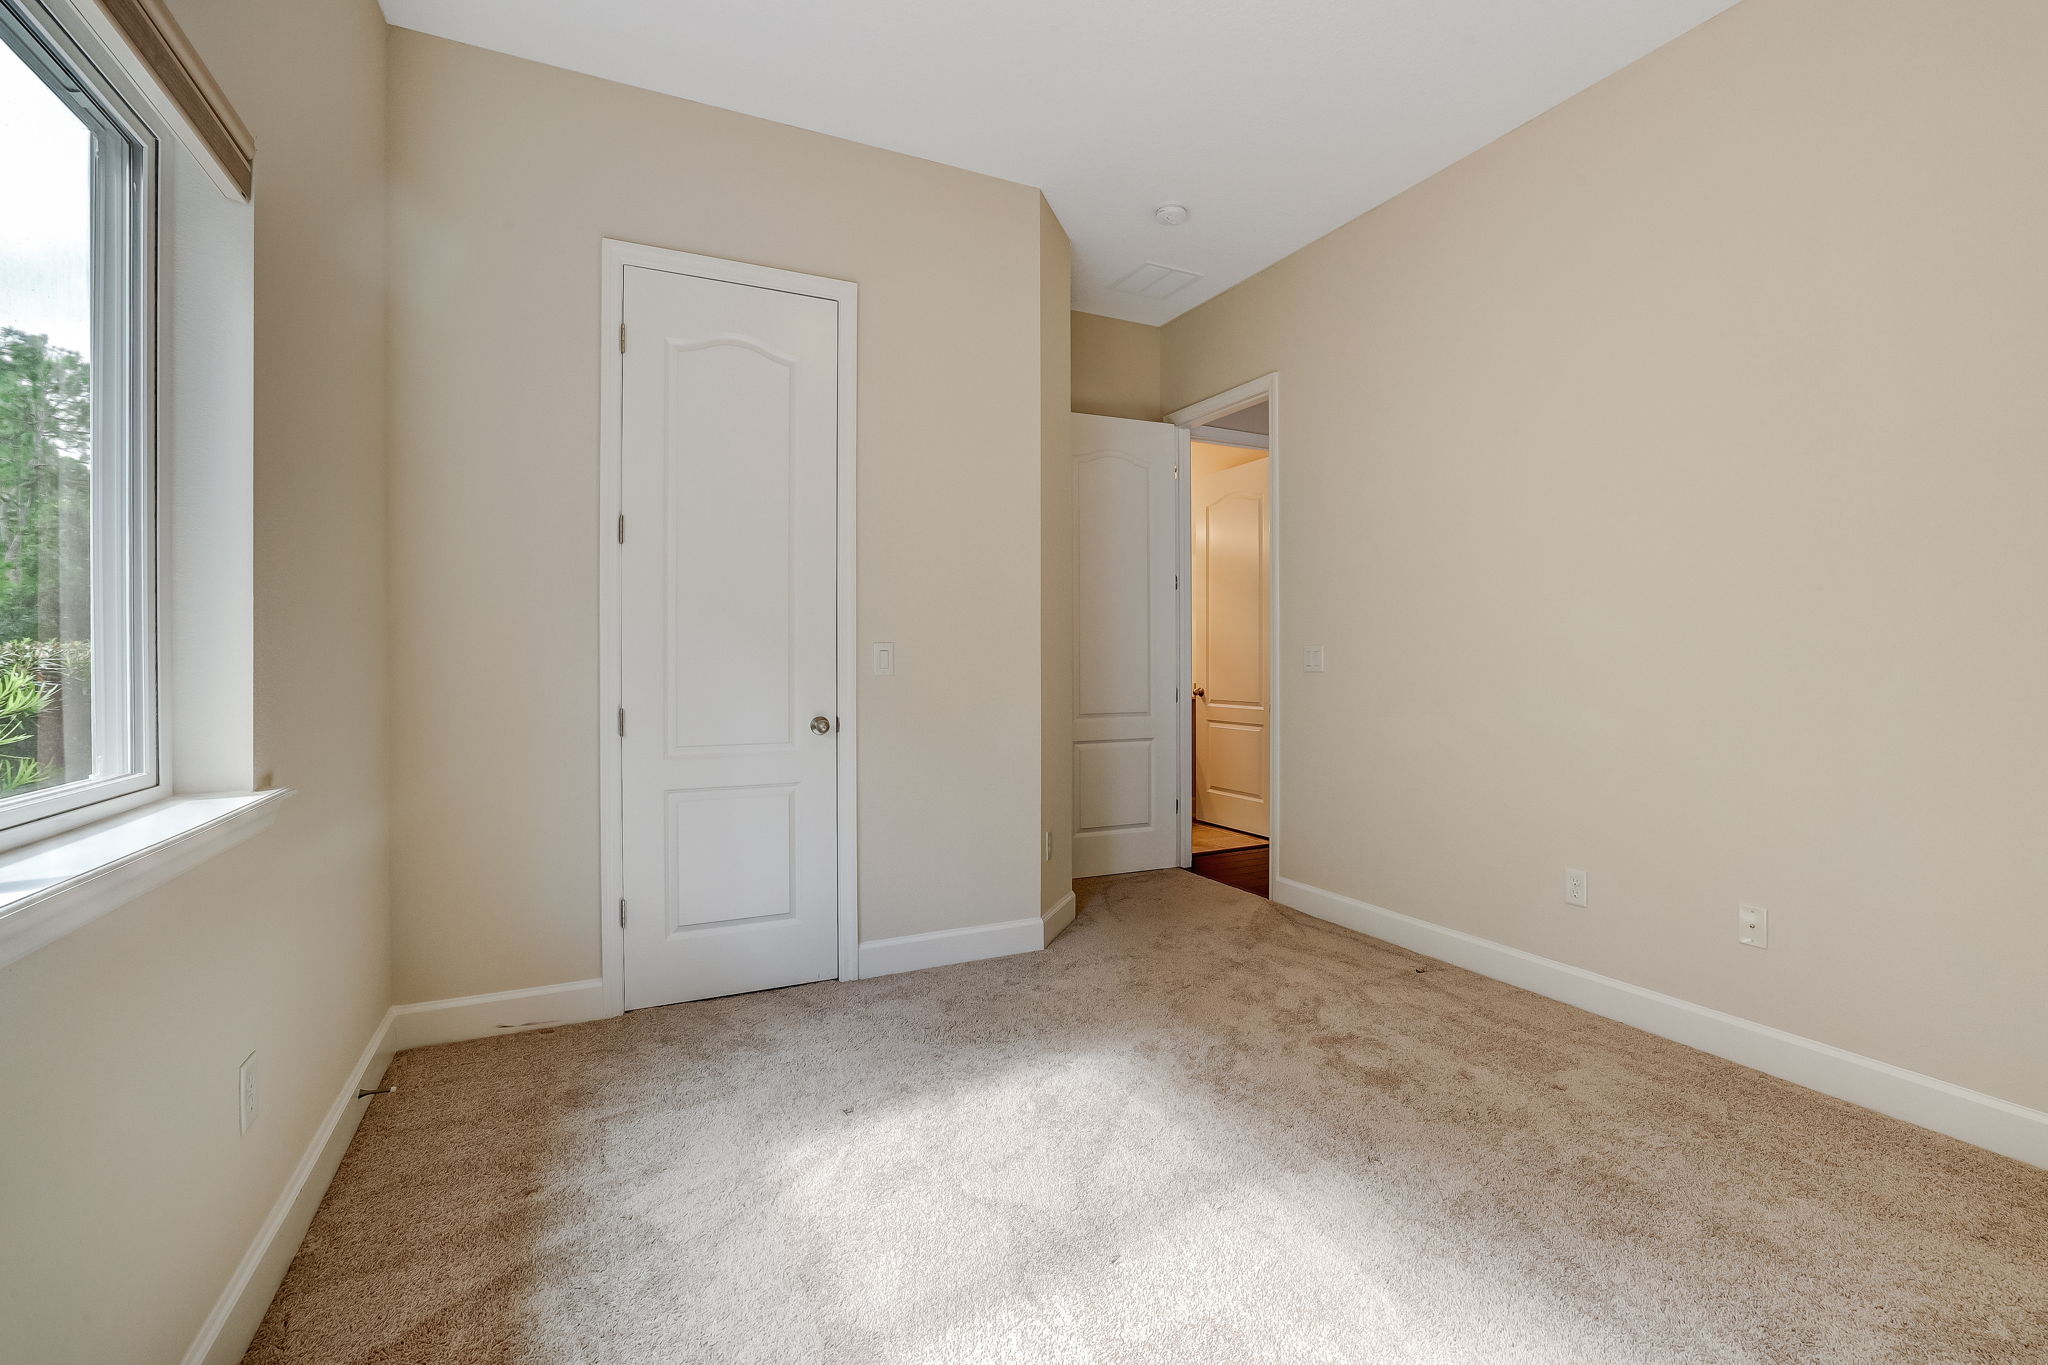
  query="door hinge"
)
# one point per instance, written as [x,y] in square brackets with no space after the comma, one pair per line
[1176,803]
[622,720]
[622,912]
[1176,582]
[622,338]
[622,528]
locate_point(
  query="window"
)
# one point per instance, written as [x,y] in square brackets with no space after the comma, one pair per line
[77,667]
[110,126]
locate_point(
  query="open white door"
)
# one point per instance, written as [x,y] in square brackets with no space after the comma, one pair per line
[728,679]
[1126,643]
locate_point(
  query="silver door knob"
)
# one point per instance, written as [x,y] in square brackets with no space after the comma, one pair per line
[820,725]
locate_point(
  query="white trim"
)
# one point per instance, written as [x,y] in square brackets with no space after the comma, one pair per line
[1983,1120]
[849,633]
[1266,388]
[430,1022]
[945,947]
[125,726]
[238,1312]
[610,507]
[236,1315]
[1057,917]
[66,882]
[616,256]
[1184,651]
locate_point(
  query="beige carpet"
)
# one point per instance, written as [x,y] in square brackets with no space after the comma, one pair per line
[1198,1129]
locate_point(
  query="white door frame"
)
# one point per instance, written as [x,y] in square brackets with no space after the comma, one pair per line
[617,256]
[1194,415]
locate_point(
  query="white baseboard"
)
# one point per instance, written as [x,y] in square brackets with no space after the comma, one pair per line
[226,1332]
[1057,917]
[480,1016]
[1983,1120]
[911,952]
[224,1336]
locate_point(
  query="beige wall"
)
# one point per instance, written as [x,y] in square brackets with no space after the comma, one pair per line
[127,1193]
[505,176]
[1056,558]
[1666,483]
[1116,368]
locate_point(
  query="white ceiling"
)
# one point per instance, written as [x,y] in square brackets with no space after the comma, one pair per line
[1273,122]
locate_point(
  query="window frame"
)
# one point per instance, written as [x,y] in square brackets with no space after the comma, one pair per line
[196,406]
[125,208]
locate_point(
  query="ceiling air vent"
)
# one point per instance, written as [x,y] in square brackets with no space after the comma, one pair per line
[1155,281]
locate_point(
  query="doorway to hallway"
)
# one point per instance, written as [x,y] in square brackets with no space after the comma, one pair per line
[1232,857]
[1229,646]
[1176,620]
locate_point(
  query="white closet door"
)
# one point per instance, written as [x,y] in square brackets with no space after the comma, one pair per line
[727,652]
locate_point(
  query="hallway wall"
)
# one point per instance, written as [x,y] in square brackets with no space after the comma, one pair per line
[1116,368]
[1056,559]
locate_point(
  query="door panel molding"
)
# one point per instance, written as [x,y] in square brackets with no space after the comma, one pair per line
[616,258]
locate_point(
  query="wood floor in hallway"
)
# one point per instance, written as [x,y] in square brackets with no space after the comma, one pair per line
[1232,857]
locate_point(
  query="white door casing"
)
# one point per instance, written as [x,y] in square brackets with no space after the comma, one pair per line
[728,607]
[1232,568]
[1126,646]
[1188,419]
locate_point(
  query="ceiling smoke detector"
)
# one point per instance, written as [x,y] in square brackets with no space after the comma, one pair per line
[1170,215]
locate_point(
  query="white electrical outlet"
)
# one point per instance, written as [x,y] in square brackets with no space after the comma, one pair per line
[1312,659]
[1753,926]
[247,1081]
[1574,886]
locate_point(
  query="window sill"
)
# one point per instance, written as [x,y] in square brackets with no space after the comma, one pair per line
[49,888]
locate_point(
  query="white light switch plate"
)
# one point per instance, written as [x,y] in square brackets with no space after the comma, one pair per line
[885,658]
[1312,659]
